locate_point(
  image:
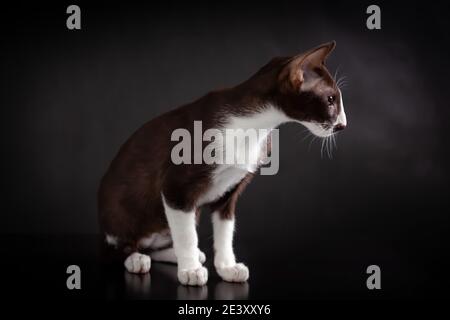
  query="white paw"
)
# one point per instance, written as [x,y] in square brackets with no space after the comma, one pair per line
[193,277]
[236,273]
[138,263]
[201,257]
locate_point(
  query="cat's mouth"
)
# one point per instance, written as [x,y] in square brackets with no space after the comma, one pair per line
[321,130]
[326,130]
[326,126]
[330,129]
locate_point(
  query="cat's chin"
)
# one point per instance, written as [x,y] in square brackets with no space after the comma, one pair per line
[317,129]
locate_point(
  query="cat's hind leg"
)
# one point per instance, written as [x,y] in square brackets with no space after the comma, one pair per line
[164,255]
[162,251]
[168,255]
[134,261]
[157,240]
[137,263]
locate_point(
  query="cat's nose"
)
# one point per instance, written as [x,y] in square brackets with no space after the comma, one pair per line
[338,127]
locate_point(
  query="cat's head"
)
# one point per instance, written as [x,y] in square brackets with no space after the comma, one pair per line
[307,93]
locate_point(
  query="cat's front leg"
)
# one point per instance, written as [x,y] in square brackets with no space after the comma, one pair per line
[185,243]
[224,259]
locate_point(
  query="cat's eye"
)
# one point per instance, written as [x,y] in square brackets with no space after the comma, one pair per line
[331,100]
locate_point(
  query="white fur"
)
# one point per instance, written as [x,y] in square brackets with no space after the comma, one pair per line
[156,240]
[138,263]
[264,121]
[223,230]
[185,242]
[235,273]
[146,242]
[153,241]
[224,260]
[164,255]
[112,240]
[168,255]
[342,118]
[193,277]
[316,129]
[226,176]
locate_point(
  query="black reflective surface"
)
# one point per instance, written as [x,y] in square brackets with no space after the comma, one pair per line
[71,98]
[36,266]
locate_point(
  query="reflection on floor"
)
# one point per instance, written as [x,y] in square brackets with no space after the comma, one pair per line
[140,286]
[37,265]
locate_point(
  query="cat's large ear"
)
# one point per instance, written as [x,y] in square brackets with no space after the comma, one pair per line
[302,67]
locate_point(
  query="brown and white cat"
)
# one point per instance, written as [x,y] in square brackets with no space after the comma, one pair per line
[146,201]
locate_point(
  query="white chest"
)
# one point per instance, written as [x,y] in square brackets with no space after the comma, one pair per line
[249,135]
[224,179]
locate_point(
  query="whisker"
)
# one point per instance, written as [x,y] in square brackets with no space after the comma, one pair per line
[314,137]
[329,147]
[342,82]
[336,73]
[307,136]
[321,148]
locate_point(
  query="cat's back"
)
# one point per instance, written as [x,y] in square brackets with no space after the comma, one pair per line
[147,151]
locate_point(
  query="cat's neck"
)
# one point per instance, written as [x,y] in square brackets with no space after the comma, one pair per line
[265,116]
[252,106]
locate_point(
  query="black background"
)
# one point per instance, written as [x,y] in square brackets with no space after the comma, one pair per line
[71,98]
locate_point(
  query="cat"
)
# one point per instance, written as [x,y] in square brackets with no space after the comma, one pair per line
[148,204]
